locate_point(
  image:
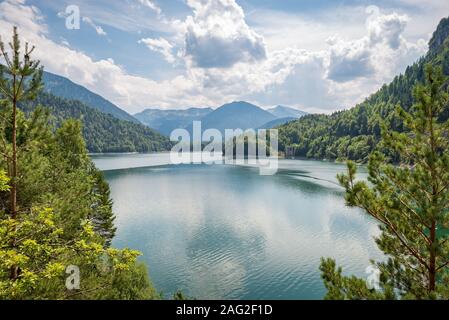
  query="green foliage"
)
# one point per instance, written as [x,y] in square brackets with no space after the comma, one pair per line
[13,83]
[41,254]
[410,201]
[70,222]
[4,181]
[102,132]
[63,87]
[132,285]
[60,213]
[353,134]
[179,296]
[101,215]
[340,287]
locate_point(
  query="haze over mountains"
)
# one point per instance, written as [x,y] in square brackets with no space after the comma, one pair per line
[238,114]
[277,122]
[107,128]
[286,112]
[165,121]
[233,115]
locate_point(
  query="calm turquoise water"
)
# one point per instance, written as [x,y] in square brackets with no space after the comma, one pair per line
[226,232]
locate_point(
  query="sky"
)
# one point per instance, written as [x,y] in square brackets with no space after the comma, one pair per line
[317,56]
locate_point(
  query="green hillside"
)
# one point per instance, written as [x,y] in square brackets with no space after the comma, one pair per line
[354,133]
[65,88]
[102,132]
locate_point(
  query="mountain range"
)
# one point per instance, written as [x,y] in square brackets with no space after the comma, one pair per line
[230,116]
[165,121]
[238,114]
[350,134]
[107,128]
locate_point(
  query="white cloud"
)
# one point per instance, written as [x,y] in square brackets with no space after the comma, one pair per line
[162,46]
[128,15]
[349,60]
[29,16]
[224,59]
[340,75]
[150,4]
[282,29]
[218,36]
[98,29]
[101,76]
[64,42]
[386,29]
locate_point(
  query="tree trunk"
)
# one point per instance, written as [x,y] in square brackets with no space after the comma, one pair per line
[14,272]
[432,262]
[14,164]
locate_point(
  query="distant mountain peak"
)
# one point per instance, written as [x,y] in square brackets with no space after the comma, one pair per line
[232,115]
[286,112]
[236,115]
[165,121]
[239,104]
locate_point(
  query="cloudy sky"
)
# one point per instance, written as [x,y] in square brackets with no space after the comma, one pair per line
[319,56]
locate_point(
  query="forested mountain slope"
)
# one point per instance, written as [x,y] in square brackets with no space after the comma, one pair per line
[65,88]
[354,133]
[102,132]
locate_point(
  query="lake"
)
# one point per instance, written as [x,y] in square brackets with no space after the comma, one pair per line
[225,232]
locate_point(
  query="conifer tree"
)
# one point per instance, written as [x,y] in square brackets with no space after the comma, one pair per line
[410,200]
[55,210]
[20,80]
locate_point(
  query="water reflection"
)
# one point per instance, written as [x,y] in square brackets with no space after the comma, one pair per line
[226,232]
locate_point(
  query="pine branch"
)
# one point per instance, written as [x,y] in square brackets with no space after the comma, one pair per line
[384,220]
[442,266]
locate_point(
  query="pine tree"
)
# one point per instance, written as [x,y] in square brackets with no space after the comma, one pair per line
[409,200]
[60,213]
[20,80]
[102,216]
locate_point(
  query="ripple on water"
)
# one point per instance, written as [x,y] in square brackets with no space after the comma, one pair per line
[226,232]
